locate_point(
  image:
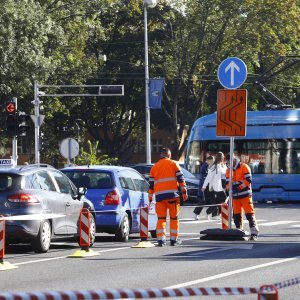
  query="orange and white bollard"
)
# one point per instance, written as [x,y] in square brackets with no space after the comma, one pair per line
[225,215]
[3,265]
[2,238]
[268,292]
[144,243]
[84,235]
[144,223]
[84,239]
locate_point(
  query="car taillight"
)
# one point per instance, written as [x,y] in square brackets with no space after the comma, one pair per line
[22,198]
[113,198]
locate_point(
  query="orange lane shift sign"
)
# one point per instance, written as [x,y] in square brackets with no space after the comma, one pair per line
[232,112]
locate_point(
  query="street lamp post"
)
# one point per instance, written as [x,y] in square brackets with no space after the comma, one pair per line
[147,4]
[77,123]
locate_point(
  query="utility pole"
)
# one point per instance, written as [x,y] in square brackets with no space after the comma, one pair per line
[147,4]
[37,124]
[14,140]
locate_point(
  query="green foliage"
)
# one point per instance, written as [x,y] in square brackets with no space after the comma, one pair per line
[63,42]
[92,157]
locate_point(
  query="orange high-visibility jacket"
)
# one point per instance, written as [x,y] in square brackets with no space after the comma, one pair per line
[241,181]
[165,177]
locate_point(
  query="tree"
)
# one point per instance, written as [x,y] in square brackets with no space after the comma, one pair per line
[63,42]
[93,157]
[200,36]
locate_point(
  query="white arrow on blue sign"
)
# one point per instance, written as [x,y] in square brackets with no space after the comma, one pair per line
[232,73]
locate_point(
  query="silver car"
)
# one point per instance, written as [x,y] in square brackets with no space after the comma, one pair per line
[39,204]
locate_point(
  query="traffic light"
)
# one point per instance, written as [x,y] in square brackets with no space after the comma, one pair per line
[10,109]
[111,90]
[22,127]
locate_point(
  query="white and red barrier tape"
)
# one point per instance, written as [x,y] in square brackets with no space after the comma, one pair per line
[287,283]
[137,293]
[127,294]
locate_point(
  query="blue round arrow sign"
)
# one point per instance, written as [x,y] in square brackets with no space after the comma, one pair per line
[232,73]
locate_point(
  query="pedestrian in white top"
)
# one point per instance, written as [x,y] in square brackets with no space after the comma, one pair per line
[216,178]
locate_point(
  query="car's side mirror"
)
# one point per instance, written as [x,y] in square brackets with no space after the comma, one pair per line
[81,191]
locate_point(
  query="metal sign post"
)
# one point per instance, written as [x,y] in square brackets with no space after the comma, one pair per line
[231,122]
[230,181]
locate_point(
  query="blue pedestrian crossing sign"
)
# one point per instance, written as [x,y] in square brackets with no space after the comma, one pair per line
[232,73]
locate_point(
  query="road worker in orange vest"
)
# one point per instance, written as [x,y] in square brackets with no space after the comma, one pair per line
[166,182]
[242,195]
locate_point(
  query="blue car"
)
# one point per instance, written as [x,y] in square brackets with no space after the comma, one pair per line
[117,193]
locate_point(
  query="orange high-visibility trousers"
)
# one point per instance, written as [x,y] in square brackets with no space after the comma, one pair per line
[161,208]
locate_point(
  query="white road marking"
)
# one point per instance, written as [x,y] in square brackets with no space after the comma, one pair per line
[277,223]
[223,248]
[188,233]
[189,221]
[66,256]
[226,274]
[61,257]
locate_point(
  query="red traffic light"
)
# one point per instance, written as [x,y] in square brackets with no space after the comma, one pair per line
[10,107]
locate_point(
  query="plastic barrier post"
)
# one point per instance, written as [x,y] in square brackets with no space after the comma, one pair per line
[144,223]
[3,265]
[84,235]
[225,215]
[2,238]
[84,240]
[144,243]
[268,292]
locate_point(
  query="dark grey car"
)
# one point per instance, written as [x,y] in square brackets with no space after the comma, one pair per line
[192,183]
[40,203]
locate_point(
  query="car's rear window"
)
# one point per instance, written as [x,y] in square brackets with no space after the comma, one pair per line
[90,180]
[9,182]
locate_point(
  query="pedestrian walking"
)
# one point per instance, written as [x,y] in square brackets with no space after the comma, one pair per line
[204,198]
[166,182]
[216,172]
[242,195]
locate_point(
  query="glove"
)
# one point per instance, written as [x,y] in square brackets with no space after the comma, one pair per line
[184,194]
[235,186]
[235,189]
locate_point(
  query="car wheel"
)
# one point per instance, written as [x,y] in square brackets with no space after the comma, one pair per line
[41,243]
[92,231]
[153,234]
[122,233]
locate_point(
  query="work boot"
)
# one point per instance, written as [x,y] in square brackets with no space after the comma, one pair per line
[161,243]
[253,237]
[175,242]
